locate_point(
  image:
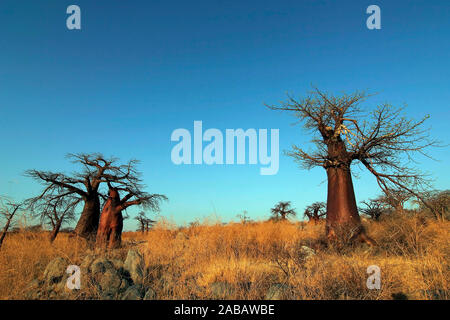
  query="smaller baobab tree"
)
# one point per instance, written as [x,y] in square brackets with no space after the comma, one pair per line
[438,203]
[373,209]
[54,211]
[282,211]
[144,222]
[111,220]
[395,199]
[314,212]
[8,211]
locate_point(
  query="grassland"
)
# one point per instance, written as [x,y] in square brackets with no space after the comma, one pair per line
[183,263]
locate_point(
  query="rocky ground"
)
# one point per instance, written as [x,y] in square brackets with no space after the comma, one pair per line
[105,276]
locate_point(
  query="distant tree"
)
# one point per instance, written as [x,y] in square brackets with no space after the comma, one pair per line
[344,134]
[244,217]
[395,199]
[282,211]
[144,222]
[85,185]
[373,209]
[194,224]
[8,210]
[315,211]
[439,201]
[111,220]
[54,211]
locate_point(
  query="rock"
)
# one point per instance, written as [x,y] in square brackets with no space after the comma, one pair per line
[134,264]
[55,270]
[101,265]
[150,294]
[276,291]
[107,296]
[307,252]
[221,290]
[118,264]
[135,292]
[87,261]
[32,291]
[110,281]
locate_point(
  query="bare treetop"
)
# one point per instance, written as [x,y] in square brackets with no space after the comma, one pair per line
[383,140]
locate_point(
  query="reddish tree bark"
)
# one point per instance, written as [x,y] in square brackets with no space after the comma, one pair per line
[109,232]
[88,223]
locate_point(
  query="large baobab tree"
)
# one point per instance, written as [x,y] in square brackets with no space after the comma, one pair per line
[314,212]
[282,210]
[111,220]
[86,185]
[381,140]
[8,210]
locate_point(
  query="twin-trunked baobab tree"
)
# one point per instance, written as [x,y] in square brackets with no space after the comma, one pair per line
[86,187]
[382,141]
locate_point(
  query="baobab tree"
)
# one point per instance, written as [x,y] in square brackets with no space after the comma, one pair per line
[86,186]
[344,134]
[144,222]
[55,211]
[395,199]
[373,208]
[314,212]
[109,233]
[439,201]
[8,210]
[282,210]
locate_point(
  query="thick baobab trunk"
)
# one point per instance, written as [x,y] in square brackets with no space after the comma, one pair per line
[88,223]
[109,232]
[55,231]
[343,221]
[342,211]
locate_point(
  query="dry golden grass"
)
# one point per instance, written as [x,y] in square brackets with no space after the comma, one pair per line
[413,254]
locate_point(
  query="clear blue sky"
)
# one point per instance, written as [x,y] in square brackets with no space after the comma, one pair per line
[137,70]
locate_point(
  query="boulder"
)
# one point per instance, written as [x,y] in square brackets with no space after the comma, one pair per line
[135,292]
[55,271]
[101,265]
[134,264]
[307,252]
[150,294]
